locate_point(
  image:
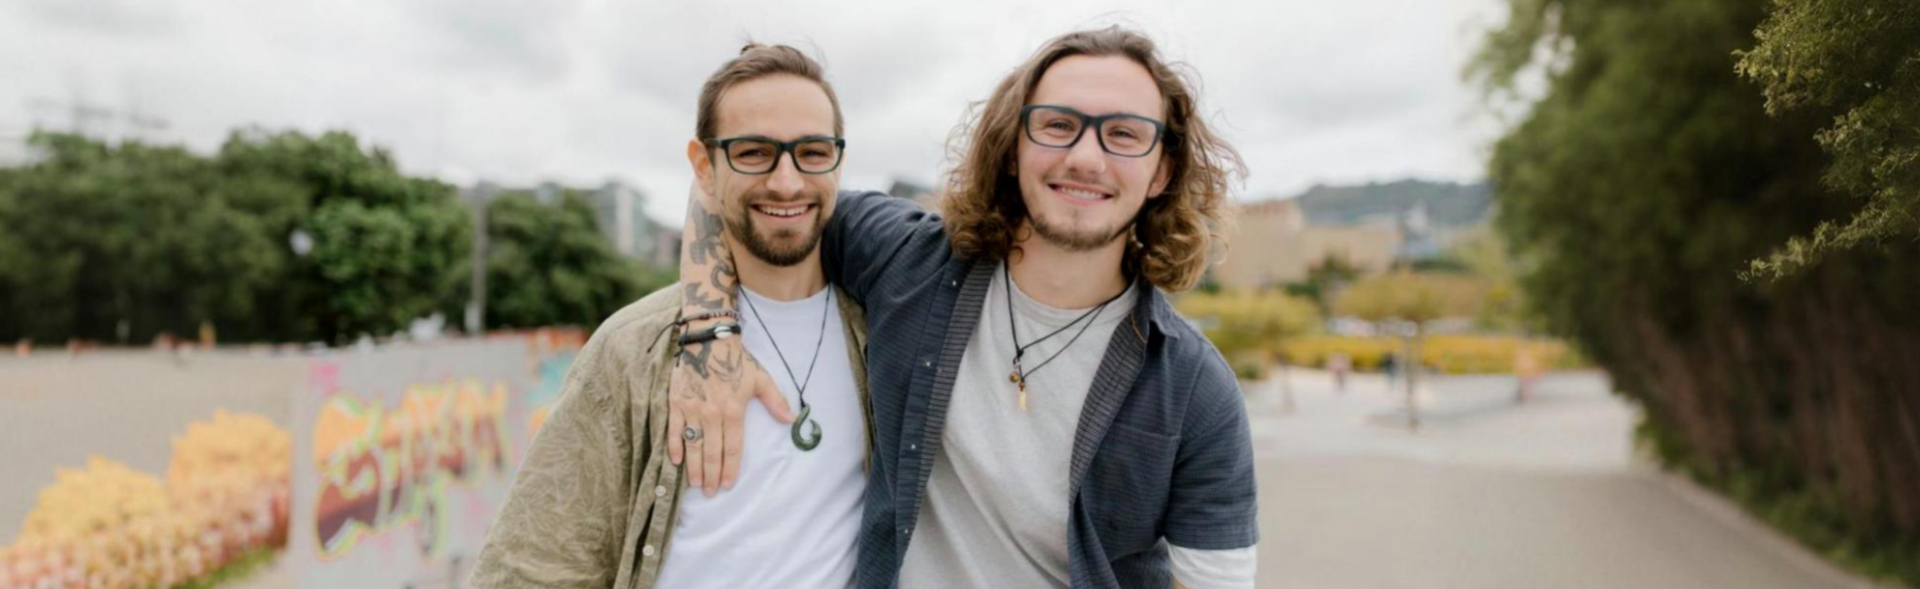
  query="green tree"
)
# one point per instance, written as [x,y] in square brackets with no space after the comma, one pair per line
[1413,301]
[386,248]
[1324,280]
[550,265]
[1857,61]
[1637,187]
[1485,255]
[110,242]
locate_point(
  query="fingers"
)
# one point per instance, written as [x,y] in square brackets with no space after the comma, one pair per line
[695,460]
[676,426]
[711,445]
[735,442]
[771,397]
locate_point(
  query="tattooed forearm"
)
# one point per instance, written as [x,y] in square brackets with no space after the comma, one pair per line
[704,253]
[707,281]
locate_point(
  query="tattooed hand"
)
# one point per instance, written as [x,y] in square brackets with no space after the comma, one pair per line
[712,381]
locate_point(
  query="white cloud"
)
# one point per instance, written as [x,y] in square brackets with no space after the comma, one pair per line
[591,90]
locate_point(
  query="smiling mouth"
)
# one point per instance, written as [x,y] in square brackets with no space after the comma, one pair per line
[783,212]
[1080,193]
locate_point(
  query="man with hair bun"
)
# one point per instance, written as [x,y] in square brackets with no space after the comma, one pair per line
[597,502]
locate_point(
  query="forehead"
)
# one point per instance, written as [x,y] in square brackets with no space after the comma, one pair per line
[780,106]
[1100,85]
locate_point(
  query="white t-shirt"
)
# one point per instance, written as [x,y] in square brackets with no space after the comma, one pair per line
[793,517]
[995,513]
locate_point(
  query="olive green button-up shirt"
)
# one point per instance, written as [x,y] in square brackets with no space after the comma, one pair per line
[595,500]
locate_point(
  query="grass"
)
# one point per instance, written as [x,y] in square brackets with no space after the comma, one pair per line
[246,565]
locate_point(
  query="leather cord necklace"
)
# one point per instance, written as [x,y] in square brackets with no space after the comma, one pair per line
[813,441]
[1019,375]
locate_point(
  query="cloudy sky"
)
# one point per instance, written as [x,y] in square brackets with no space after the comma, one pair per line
[585,91]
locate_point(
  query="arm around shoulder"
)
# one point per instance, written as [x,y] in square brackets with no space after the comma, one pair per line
[873,234]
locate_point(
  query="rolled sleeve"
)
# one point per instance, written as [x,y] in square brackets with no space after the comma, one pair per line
[1214,502]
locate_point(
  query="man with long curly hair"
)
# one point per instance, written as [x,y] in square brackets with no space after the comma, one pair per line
[1041,417]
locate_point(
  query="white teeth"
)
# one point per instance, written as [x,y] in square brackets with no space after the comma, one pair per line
[1083,194]
[783,212]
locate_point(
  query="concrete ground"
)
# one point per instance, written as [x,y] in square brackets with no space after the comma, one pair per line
[1488,494]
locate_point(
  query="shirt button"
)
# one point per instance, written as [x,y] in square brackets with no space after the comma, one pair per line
[953,284]
[660,491]
[928,363]
[646,550]
[913,446]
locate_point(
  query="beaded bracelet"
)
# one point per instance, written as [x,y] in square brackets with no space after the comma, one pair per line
[728,313]
[707,334]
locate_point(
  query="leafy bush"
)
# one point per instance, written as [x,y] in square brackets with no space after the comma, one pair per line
[1248,327]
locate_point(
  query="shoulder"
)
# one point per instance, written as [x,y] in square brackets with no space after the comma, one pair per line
[1213,389]
[879,214]
[620,348]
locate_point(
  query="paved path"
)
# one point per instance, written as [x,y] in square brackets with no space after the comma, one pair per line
[1490,495]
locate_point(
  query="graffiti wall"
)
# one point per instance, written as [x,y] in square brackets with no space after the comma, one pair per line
[403,456]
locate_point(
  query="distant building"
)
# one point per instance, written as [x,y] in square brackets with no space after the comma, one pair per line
[623,217]
[1271,245]
[620,212]
[928,198]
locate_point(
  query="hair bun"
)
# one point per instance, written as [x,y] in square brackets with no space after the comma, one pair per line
[750,46]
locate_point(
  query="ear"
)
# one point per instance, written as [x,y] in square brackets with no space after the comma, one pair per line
[1160,178]
[702,161]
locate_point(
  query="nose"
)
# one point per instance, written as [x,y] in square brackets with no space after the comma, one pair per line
[1086,156]
[785,178]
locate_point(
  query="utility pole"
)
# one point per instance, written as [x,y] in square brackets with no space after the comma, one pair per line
[81,116]
[478,197]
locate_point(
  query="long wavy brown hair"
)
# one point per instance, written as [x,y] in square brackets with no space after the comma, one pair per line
[1172,235]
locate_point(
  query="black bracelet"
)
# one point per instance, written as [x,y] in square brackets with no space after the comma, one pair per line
[728,313]
[707,334]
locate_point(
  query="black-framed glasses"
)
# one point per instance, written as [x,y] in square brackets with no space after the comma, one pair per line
[753,154]
[1123,135]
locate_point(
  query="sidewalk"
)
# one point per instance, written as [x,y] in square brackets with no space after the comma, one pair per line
[1491,495]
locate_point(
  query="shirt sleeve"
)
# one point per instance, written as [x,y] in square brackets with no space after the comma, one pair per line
[565,517]
[872,234]
[1215,569]
[1214,502]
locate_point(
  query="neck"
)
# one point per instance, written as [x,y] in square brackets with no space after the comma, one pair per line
[1066,279]
[780,283]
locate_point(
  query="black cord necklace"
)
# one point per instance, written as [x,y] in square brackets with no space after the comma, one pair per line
[803,443]
[1019,376]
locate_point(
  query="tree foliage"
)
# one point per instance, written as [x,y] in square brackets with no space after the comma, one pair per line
[1418,298]
[123,242]
[549,265]
[1637,188]
[1857,61]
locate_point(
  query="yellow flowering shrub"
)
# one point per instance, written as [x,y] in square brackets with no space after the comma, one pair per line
[108,526]
[1449,354]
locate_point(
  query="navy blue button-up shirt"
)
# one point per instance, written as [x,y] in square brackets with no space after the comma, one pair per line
[1162,451]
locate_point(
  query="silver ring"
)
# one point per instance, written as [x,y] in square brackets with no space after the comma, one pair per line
[691,435]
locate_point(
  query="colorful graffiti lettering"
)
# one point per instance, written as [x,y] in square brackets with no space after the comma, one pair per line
[546,393]
[384,467]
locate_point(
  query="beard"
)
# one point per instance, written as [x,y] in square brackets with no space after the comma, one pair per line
[780,247]
[1075,239]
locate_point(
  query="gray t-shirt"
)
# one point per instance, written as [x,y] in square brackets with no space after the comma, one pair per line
[995,513]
